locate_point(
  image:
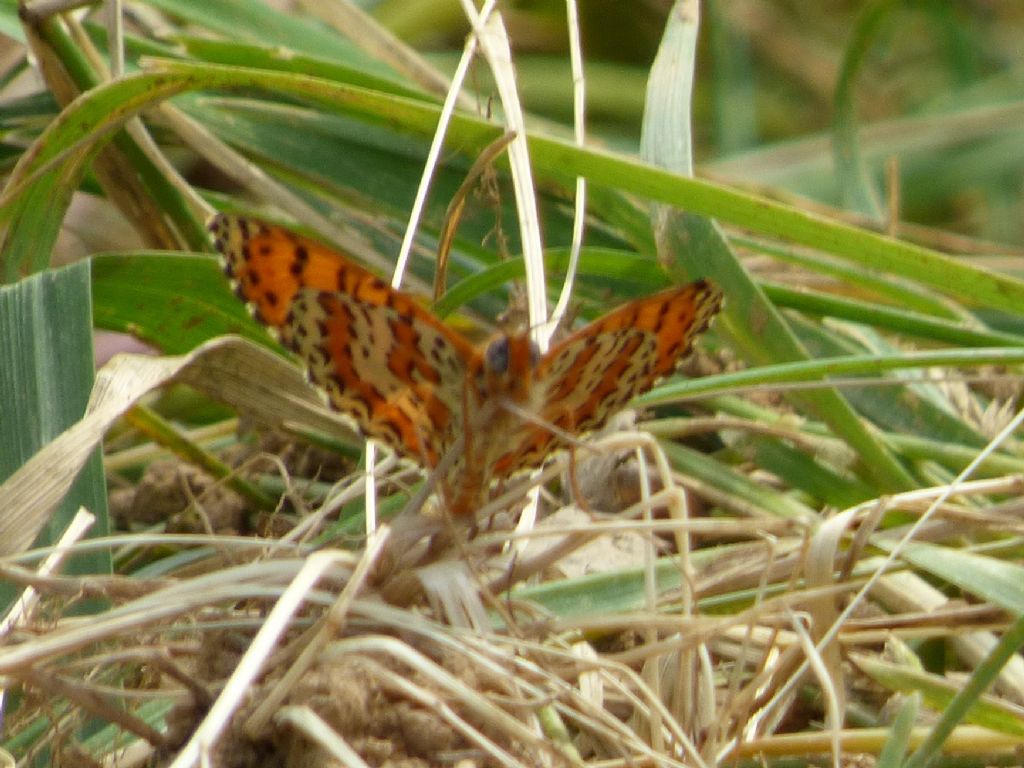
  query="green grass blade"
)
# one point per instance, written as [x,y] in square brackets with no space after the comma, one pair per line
[989,578]
[693,246]
[559,160]
[814,370]
[173,301]
[46,372]
[858,189]
[940,695]
[961,704]
[899,320]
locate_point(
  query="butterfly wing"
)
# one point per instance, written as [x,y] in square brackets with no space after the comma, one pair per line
[382,359]
[598,369]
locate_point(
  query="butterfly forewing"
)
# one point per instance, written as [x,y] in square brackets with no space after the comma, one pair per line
[597,370]
[589,376]
[381,358]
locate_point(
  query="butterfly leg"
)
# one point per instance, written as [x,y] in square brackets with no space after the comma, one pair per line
[574,482]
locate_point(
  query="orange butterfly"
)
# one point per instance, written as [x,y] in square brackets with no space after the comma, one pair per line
[419,387]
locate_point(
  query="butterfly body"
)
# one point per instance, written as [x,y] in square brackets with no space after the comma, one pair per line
[413,383]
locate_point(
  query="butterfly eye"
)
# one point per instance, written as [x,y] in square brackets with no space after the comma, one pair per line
[496,356]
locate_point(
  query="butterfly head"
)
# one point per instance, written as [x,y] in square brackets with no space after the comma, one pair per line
[508,366]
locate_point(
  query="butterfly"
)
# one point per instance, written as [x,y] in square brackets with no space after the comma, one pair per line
[419,387]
